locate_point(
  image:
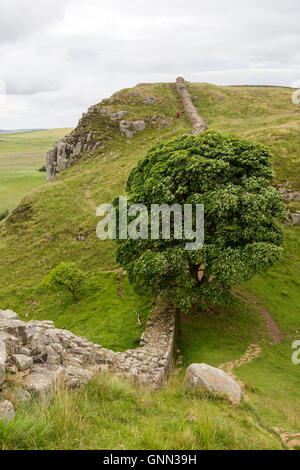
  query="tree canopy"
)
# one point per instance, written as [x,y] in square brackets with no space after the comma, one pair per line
[65,276]
[232,178]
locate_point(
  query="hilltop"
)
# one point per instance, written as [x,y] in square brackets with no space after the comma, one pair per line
[57,222]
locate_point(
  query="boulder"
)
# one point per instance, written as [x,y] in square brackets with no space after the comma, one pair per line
[77,376]
[139,125]
[8,315]
[12,343]
[22,396]
[295,216]
[2,361]
[203,376]
[17,328]
[6,410]
[42,380]
[22,362]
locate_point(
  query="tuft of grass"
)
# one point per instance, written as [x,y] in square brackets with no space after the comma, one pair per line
[112,414]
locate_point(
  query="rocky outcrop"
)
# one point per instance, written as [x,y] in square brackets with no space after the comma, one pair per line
[198,123]
[42,355]
[212,380]
[90,134]
[290,196]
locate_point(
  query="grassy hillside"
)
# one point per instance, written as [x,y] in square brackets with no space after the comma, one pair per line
[44,231]
[21,155]
[31,141]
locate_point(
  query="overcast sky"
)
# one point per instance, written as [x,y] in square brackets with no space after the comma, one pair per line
[58,57]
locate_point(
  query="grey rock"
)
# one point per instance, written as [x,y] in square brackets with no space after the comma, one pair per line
[2,361]
[17,328]
[22,362]
[295,197]
[12,343]
[76,376]
[7,411]
[295,217]
[149,100]
[203,376]
[40,358]
[139,125]
[42,381]
[23,396]
[8,315]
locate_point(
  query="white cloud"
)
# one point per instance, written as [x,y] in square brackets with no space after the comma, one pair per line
[59,57]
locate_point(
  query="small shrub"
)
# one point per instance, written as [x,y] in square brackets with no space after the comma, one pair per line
[4,214]
[66,276]
[42,169]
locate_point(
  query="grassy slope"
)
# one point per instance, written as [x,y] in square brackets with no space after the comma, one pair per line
[21,155]
[50,218]
[268,116]
[272,382]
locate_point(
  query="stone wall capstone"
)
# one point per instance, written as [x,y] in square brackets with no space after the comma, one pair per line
[198,123]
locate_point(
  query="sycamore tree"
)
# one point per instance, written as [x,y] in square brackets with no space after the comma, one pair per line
[232,178]
[65,277]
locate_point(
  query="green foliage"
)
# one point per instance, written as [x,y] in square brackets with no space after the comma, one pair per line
[4,214]
[42,169]
[232,178]
[66,276]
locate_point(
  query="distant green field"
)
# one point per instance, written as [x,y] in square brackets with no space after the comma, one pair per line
[21,155]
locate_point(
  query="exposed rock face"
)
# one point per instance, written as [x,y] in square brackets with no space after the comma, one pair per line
[213,380]
[198,123]
[288,196]
[295,217]
[81,140]
[287,192]
[43,355]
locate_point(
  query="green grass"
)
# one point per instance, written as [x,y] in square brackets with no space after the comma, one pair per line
[221,336]
[261,114]
[31,141]
[111,414]
[44,231]
[105,312]
[21,156]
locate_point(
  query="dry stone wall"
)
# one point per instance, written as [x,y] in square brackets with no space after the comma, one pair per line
[40,355]
[198,123]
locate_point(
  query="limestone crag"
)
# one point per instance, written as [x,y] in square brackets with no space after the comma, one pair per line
[198,123]
[83,140]
[41,355]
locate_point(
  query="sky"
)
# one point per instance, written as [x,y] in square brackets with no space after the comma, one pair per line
[58,57]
